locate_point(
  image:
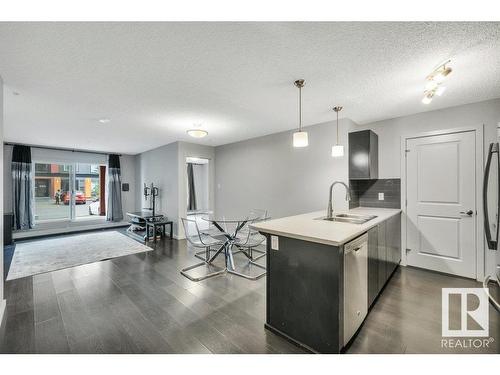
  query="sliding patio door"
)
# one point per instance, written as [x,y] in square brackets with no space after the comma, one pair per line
[53,187]
[87,191]
[67,191]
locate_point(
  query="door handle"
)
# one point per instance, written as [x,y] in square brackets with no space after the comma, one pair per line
[492,242]
[466,213]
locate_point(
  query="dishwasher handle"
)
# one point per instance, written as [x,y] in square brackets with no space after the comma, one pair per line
[356,244]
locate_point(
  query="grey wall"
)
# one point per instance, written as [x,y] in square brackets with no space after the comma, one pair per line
[160,166]
[187,149]
[166,167]
[267,172]
[2,302]
[127,166]
[390,131]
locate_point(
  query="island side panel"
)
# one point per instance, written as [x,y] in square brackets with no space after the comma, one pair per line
[304,293]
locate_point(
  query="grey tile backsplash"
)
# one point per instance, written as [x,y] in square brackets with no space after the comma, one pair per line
[364,193]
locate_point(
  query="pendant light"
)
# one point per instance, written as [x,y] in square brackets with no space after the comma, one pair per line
[300,138]
[338,149]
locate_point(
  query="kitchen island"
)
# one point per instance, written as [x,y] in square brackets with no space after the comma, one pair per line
[321,272]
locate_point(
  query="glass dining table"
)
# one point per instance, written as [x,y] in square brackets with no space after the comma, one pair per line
[228,229]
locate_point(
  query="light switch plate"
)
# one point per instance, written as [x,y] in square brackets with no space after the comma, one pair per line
[275,245]
[380,196]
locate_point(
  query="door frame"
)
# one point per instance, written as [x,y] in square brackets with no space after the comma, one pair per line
[479,136]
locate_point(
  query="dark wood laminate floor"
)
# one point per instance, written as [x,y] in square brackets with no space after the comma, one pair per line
[141,304]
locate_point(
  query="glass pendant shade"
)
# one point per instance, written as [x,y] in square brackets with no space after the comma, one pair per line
[300,139]
[337,151]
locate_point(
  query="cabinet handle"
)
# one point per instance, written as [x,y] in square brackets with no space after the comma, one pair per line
[466,213]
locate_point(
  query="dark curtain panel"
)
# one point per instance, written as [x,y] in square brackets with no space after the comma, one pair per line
[114,212]
[22,187]
[191,191]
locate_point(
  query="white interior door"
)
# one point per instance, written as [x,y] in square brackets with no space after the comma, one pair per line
[441,203]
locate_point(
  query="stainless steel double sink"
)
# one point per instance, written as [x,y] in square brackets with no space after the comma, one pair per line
[349,218]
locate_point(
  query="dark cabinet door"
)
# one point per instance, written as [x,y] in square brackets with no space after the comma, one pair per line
[359,155]
[303,292]
[372,265]
[382,256]
[363,155]
[393,243]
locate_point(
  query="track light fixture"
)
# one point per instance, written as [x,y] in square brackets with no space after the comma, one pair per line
[434,85]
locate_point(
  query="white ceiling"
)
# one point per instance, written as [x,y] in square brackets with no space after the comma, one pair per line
[155,80]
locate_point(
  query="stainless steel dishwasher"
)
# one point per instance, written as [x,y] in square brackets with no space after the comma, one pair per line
[355,285]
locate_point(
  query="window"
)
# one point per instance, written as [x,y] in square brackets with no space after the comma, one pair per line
[67,191]
[42,168]
[51,185]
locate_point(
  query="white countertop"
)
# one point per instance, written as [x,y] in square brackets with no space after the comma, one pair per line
[305,227]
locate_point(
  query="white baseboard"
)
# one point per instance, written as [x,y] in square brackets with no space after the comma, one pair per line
[3,304]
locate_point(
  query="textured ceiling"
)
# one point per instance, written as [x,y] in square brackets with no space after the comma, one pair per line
[155,80]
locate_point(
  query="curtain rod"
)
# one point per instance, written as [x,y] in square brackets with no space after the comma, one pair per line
[59,148]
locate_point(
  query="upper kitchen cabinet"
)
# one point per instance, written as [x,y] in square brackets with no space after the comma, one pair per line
[363,155]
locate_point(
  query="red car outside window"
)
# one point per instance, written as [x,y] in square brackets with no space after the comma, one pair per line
[79,198]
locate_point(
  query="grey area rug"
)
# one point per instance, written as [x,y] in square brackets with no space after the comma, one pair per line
[40,256]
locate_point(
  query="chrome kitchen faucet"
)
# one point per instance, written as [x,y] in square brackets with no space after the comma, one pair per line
[329,210]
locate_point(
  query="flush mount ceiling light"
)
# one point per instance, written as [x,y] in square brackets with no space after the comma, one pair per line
[300,138]
[434,85]
[338,149]
[197,133]
[104,120]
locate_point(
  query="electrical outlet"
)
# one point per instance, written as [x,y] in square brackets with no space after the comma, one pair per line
[380,196]
[275,245]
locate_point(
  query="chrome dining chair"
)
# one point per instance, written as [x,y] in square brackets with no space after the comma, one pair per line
[249,239]
[253,237]
[210,231]
[198,239]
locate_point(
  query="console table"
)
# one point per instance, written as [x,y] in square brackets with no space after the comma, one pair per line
[161,223]
[142,221]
